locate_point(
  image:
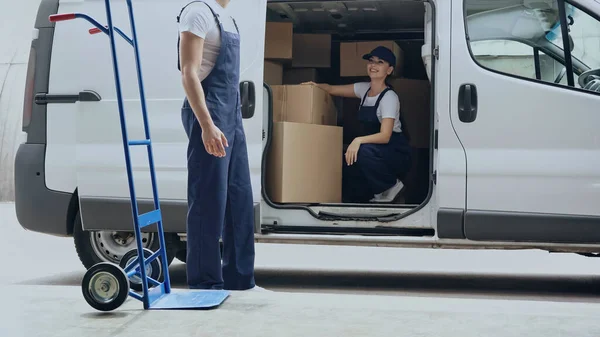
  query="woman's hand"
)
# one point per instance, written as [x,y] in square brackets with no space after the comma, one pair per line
[214,140]
[319,85]
[346,90]
[352,151]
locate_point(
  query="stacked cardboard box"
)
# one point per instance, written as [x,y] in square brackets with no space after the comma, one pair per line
[294,58]
[352,63]
[305,158]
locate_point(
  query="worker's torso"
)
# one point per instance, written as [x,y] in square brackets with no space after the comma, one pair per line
[199,16]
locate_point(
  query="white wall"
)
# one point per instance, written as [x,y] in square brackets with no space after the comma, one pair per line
[17,20]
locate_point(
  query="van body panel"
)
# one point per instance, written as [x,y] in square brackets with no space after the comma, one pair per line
[451,161]
[532,151]
[523,174]
[85,139]
[38,207]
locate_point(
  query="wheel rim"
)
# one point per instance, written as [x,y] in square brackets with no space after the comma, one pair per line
[111,246]
[135,278]
[104,287]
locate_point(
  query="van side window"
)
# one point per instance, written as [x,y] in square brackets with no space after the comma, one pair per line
[526,41]
[519,59]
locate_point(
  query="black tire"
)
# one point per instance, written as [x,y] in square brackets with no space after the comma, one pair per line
[91,247]
[156,271]
[116,281]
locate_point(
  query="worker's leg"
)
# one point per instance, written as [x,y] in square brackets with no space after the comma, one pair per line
[207,196]
[238,236]
[378,174]
[355,188]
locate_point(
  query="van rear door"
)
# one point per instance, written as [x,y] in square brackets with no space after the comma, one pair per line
[530,132]
[101,170]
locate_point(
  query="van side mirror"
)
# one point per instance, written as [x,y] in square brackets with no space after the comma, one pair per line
[248,97]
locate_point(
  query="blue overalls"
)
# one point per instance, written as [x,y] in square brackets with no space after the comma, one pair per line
[378,166]
[220,200]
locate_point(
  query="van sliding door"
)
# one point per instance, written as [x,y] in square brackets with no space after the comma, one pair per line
[530,131]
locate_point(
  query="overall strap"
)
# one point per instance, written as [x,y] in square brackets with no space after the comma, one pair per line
[364,97]
[178,20]
[378,99]
[381,96]
[236,26]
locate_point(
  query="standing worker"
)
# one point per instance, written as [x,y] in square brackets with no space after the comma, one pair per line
[380,154]
[219,187]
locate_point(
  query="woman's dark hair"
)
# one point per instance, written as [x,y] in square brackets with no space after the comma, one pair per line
[388,84]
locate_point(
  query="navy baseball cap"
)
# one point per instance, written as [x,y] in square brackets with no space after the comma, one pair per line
[383,53]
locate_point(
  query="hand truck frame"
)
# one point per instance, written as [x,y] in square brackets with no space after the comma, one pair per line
[106,286]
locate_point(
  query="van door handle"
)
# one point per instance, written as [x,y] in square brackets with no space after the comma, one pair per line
[467,103]
[83,96]
[248,98]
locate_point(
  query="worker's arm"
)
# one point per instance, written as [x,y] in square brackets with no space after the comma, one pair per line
[346,90]
[191,50]
[382,137]
[390,111]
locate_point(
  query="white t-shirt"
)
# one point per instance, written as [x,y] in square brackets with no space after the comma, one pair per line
[389,107]
[199,20]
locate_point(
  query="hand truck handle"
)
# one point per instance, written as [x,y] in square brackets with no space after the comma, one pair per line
[96,30]
[62,17]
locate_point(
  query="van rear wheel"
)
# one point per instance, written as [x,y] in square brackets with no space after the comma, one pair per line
[94,247]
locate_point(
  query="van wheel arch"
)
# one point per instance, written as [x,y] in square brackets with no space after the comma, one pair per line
[107,246]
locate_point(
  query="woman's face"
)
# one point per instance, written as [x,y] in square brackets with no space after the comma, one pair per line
[378,69]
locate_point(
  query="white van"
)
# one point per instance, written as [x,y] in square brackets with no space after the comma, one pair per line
[506,142]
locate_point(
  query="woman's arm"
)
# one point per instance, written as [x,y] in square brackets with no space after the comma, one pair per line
[390,111]
[383,136]
[336,90]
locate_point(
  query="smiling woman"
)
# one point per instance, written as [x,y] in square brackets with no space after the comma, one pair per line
[380,153]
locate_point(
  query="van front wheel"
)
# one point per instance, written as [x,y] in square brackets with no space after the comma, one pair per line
[94,247]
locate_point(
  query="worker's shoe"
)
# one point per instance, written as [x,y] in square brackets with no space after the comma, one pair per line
[389,195]
[257,288]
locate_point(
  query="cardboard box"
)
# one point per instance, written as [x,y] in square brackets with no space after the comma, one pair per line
[305,163]
[279,40]
[311,51]
[303,104]
[273,73]
[300,75]
[414,96]
[352,63]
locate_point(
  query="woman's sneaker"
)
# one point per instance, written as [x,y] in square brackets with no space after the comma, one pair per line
[389,195]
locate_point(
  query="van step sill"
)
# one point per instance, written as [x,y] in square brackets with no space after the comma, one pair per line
[381,231]
[329,216]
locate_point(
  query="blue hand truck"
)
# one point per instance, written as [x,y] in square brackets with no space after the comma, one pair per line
[106,286]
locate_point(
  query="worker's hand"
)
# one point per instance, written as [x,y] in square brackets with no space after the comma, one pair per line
[352,151]
[318,85]
[214,141]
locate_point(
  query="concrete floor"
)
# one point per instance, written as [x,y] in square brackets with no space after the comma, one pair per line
[41,295]
[61,312]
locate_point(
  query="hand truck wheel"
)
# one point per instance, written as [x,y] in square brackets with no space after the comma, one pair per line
[153,270]
[105,286]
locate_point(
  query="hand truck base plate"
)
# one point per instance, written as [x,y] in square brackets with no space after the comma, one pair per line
[191,300]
